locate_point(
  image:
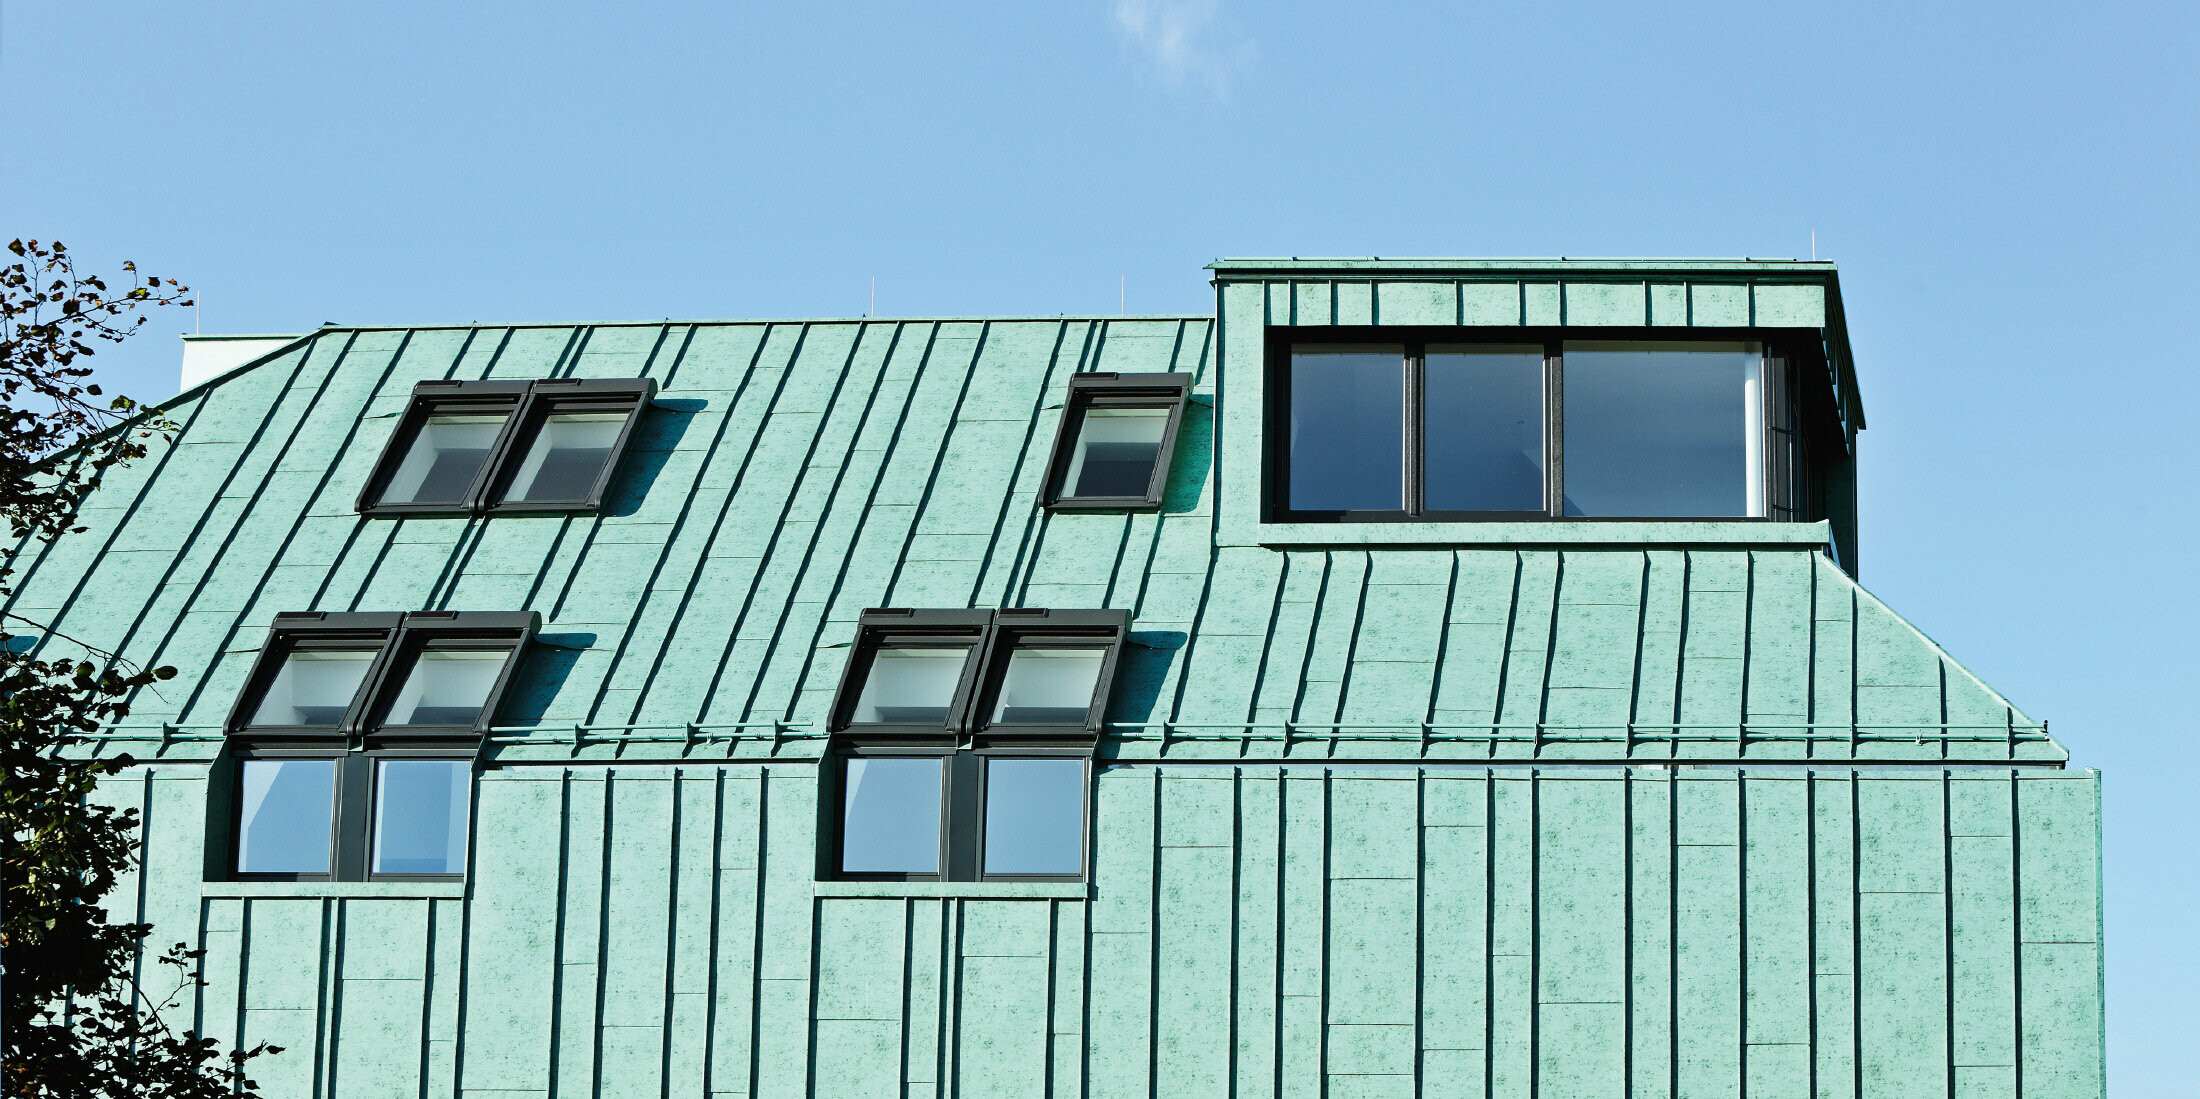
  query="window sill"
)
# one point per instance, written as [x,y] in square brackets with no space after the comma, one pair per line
[400,890]
[970,890]
[1529,532]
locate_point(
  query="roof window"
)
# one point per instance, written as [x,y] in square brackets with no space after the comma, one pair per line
[501,447]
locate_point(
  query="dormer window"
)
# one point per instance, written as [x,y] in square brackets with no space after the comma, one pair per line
[502,447]
[1445,428]
[963,742]
[352,745]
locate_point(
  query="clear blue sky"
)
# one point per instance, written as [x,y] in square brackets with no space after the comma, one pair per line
[2009,190]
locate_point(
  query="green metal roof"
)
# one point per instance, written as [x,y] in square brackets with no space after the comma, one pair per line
[795,473]
[1570,264]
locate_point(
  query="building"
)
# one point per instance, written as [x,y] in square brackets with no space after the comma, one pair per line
[1417,678]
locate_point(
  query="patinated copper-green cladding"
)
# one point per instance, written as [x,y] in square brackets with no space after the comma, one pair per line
[1359,828]
[652,929]
[793,474]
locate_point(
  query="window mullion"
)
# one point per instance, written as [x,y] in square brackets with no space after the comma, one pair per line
[479,497]
[964,809]
[354,789]
[1554,419]
[1415,426]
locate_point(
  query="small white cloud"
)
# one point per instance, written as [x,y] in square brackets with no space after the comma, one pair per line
[1184,44]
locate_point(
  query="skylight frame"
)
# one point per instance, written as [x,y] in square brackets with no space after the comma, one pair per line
[525,406]
[1096,390]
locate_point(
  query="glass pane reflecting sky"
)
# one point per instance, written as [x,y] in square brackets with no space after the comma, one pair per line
[420,815]
[1049,685]
[1347,427]
[285,817]
[1482,428]
[1663,430]
[1035,816]
[890,816]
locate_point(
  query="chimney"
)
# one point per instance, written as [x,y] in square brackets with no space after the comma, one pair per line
[208,357]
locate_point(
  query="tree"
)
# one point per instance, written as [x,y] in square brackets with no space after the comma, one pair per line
[76,1018]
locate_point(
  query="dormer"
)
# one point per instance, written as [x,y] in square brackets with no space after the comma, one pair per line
[1550,402]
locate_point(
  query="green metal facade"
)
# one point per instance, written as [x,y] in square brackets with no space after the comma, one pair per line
[1652,809]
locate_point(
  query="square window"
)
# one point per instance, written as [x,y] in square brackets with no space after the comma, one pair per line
[498,446]
[313,688]
[1112,449]
[1048,686]
[445,459]
[911,685]
[1115,452]
[286,815]
[566,458]
[420,814]
[448,686]
[890,815]
[1035,817]
[1664,429]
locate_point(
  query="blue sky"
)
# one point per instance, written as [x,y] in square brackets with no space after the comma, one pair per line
[2010,193]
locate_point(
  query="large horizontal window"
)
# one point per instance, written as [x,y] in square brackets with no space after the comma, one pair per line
[351,748]
[1530,426]
[497,446]
[936,814]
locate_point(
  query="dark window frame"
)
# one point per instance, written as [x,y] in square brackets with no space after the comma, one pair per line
[965,789]
[965,740]
[1090,391]
[525,405]
[351,812]
[991,635]
[359,741]
[1784,451]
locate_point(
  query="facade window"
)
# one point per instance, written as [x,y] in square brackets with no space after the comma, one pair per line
[1111,452]
[352,747]
[1000,813]
[506,447]
[1440,428]
[963,743]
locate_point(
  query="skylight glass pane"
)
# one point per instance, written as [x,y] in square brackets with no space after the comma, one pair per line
[444,458]
[1347,427]
[1671,429]
[447,687]
[420,815]
[1115,452]
[909,685]
[1048,686]
[568,454]
[1035,816]
[313,687]
[1482,435]
[287,807]
[890,816]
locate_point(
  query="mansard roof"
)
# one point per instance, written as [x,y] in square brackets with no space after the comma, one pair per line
[793,473]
